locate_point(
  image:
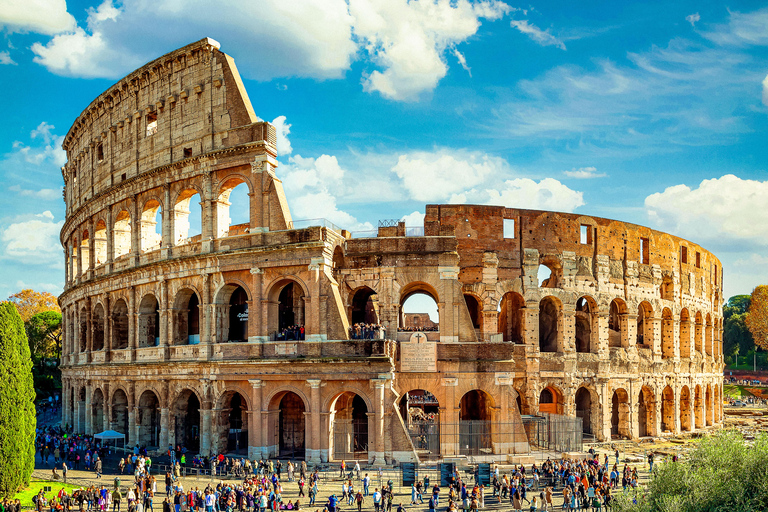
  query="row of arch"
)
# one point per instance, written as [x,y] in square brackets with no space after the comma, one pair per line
[86,249]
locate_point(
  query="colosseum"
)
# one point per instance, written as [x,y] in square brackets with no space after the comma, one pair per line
[182,327]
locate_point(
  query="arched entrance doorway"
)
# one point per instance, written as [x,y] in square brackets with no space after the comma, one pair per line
[149,321]
[668,410]
[511,317]
[148,420]
[586,324]
[475,308]
[120,325]
[551,401]
[120,414]
[584,409]
[238,315]
[620,414]
[186,318]
[685,333]
[475,415]
[667,334]
[420,411]
[685,409]
[97,340]
[97,412]
[349,416]
[233,423]
[646,413]
[549,324]
[708,405]
[617,323]
[364,307]
[419,309]
[186,417]
[698,407]
[290,310]
[291,427]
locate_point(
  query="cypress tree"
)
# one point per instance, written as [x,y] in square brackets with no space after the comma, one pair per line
[17,403]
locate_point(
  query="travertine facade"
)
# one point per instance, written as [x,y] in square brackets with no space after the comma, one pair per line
[172,338]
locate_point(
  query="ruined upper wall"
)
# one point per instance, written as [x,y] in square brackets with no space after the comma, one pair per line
[587,242]
[182,105]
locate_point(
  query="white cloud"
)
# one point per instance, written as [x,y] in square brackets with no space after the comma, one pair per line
[742,29]
[34,240]
[692,19]
[283,129]
[47,194]
[49,153]
[40,16]
[414,219]
[723,212]
[765,91]
[5,58]
[542,37]
[434,176]
[462,61]
[408,40]
[405,42]
[585,173]
[546,194]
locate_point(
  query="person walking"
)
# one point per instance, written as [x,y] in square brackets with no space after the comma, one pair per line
[117,497]
[98,466]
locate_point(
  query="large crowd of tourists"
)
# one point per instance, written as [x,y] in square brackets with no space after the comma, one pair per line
[292,333]
[361,331]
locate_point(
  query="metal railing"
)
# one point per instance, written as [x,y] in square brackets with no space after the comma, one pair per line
[306,223]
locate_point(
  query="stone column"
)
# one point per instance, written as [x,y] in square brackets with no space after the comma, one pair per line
[88,410]
[255,426]
[110,243]
[449,419]
[313,448]
[167,229]
[133,331]
[206,428]
[135,231]
[378,433]
[91,249]
[566,329]
[165,420]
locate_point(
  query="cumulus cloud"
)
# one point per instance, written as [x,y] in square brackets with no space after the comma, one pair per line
[46,194]
[584,173]
[49,152]
[692,19]
[409,40]
[436,175]
[40,16]
[542,37]
[5,58]
[546,194]
[405,42]
[283,129]
[723,212]
[33,240]
[414,219]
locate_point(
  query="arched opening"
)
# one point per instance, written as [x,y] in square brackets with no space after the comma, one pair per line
[617,323]
[586,324]
[186,318]
[290,432]
[83,330]
[668,410]
[187,217]
[84,253]
[120,414]
[475,311]
[708,405]
[667,288]
[119,325]
[365,306]
[550,316]
[148,420]
[338,263]
[620,415]
[685,409]
[698,407]
[685,333]
[98,328]
[511,317]
[233,424]
[546,276]
[584,409]
[645,325]
[100,243]
[699,332]
[667,334]
[708,341]
[83,412]
[149,322]
[238,315]
[349,417]
[151,227]
[420,411]
[233,209]
[186,416]
[475,416]
[646,412]
[97,411]
[121,236]
[551,400]
[418,308]
[290,311]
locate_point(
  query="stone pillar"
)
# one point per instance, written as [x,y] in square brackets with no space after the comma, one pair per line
[88,410]
[133,331]
[135,231]
[167,229]
[110,242]
[530,314]
[133,427]
[91,249]
[313,447]
[255,425]
[76,419]
[165,420]
[449,419]
[206,428]
[378,433]
[602,335]
[566,329]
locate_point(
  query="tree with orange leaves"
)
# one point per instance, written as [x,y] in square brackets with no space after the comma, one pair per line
[757,317]
[29,303]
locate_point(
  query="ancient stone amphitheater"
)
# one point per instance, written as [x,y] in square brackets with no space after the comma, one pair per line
[178,338]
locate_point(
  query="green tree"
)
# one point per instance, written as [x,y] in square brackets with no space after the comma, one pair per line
[737,340]
[722,473]
[44,333]
[17,407]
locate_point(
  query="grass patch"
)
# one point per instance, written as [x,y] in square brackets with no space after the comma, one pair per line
[36,485]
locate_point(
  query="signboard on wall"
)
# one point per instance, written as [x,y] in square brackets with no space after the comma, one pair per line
[418,355]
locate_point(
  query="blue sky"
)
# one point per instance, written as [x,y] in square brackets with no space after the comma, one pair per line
[647,112]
